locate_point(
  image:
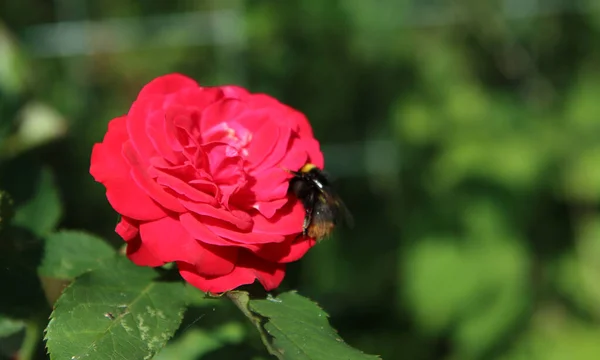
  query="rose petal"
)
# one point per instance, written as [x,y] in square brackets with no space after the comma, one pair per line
[244,126]
[239,276]
[127,228]
[171,241]
[240,219]
[314,152]
[206,186]
[268,187]
[301,125]
[247,270]
[168,239]
[167,84]
[225,164]
[234,91]
[186,122]
[197,98]
[184,189]
[140,175]
[221,229]
[137,118]
[288,220]
[259,101]
[186,172]
[304,133]
[110,168]
[156,129]
[227,170]
[216,260]
[295,159]
[269,208]
[224,111]
[279,151]
[262,144]
[267,273]
[173,134]
[270,184]
[140,255]
[290,250]
[199,231]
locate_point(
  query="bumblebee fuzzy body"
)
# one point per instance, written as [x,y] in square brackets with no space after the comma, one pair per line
[323,207]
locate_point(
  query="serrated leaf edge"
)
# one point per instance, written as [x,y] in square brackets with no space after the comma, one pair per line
[58,303]
[260,321]
[327,316]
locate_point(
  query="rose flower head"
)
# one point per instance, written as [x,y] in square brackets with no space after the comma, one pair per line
[197,175]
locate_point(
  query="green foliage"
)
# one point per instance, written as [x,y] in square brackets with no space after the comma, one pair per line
[12,67]
[9,326]
[296,328]
[42,212]
[117,310]
[195,343]
[71,253]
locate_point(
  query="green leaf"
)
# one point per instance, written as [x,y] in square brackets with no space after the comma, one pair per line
[71,253]
[12,335]
[9,326]
[296,328]
[12,67]
[38,124]
[42,212]
[196,342]
[116,311]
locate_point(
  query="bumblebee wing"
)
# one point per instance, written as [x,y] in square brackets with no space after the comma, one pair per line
[342,211]
[345,213]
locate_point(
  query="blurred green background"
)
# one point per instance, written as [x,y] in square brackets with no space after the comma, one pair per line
[463,135]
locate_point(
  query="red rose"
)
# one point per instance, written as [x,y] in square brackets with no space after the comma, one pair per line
[196,173]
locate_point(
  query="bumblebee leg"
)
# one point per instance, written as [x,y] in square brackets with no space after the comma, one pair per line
[306,224]
[309,207]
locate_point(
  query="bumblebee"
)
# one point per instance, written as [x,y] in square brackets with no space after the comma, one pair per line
[324,208]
